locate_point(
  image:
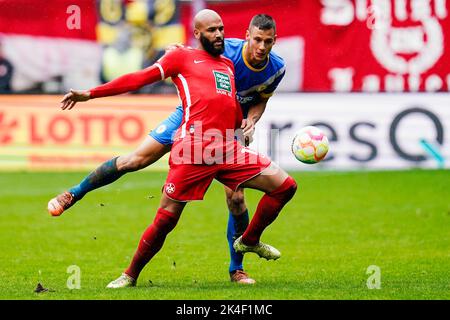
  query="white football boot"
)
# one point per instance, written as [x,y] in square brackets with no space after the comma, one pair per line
[261,249]
[124,281]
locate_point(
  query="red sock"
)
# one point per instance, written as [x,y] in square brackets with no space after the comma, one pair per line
[152,241]
[268,209]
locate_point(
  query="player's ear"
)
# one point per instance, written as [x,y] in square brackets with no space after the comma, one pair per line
[274,39]
[247,35]
[196,33]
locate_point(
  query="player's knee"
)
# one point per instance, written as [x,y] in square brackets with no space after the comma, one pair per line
[292,187]
[286,191]
[236,202]
[165,221]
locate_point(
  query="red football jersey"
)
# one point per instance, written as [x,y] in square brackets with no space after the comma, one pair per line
[206,88]
[207,91]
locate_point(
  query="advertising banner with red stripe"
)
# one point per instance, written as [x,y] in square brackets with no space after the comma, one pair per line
[353,45]
[391,131]
[35,134]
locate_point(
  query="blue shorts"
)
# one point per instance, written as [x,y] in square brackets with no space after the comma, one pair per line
[165,131]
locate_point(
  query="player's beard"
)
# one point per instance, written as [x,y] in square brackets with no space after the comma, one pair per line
[209,46]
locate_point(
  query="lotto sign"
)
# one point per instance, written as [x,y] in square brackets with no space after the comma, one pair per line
[36,134]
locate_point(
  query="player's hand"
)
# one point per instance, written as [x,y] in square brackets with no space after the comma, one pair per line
[173,46]
[74,96]
[248,129]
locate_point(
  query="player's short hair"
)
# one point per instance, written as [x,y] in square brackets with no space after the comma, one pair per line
[263,22]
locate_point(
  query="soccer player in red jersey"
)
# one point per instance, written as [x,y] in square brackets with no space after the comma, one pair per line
[258,71]
[204,148]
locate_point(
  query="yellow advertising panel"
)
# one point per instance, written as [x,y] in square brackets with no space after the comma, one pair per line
[35,134]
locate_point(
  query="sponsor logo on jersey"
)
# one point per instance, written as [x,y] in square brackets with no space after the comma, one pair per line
[243,100]
[223,82]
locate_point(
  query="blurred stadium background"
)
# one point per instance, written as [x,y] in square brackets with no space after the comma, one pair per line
[373,74]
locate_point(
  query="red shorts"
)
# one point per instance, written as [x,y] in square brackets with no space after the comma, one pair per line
[186,182]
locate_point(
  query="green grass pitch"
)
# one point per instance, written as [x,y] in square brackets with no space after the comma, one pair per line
[337,225]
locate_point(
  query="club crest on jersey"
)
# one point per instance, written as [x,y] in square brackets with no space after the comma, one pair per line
[223,83]
[170,188]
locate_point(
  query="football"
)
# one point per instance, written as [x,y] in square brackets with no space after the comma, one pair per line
[310,145]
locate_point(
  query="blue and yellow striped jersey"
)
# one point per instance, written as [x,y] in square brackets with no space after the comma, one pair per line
[253,84]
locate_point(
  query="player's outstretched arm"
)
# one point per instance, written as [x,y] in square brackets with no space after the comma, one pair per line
[74,96]
[126,83]
[166,66]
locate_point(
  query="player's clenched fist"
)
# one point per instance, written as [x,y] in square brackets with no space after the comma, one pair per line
[74,96]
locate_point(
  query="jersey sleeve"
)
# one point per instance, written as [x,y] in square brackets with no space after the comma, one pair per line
[128,82]
[171,62]
[269,91]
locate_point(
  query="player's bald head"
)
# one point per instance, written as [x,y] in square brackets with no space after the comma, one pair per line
[205,17]
[209,31]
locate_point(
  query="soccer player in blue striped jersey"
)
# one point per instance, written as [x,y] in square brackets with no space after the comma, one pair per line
[258,72]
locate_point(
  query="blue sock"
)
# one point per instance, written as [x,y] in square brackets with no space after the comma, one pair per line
[236,227]
[103,175]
